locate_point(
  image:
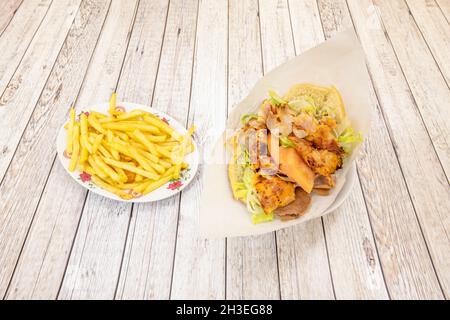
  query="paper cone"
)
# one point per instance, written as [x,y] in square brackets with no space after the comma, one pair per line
[339,62]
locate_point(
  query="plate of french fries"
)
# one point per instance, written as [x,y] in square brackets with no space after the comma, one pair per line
[127,152]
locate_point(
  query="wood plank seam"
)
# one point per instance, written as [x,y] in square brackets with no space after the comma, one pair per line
[76,98]
[407,82]
[21,137]
[46,81]
[359,182]
[321,218]
[440,8]
[328,257]
[262,68]
[278,265]
[87,193]
[26,236]
[396,152]
[389,130]
[25,51]
[151,103]
[71,247]
[373,236]
[12,17]
[407,189]
[123,252]
[133,20]
[426,42]
[51,168]
[186,124]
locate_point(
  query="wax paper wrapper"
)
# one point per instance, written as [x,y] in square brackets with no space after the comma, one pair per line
[338,61]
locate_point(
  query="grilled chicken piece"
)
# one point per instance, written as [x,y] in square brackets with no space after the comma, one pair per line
[322,162]
[323,138]
[320,133]
[297,207]
[274,193]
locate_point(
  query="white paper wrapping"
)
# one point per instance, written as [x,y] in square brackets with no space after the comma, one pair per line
[340,62]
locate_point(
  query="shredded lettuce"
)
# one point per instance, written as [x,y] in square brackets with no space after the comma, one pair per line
[275,99]
[245,189]
[247,117]
[254,206]
[286,142]
[348,138]
[305,104]
[262,217]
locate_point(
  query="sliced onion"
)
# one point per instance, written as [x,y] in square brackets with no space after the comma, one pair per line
[286,124]
[272,123]
[264,111]
[299,133]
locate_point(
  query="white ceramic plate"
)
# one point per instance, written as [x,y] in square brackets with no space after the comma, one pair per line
[169,189]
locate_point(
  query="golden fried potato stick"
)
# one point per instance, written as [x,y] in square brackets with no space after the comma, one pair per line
[124,148]
[156,138]
[122,194]
[140,159]
[124,116]
[84,133]
[127,126]
[136,155]
[170,143]
[132,168]
[110,138]
[169,172]
[155,121]
[164,152]
[104,151]
[98,115]
[75,148]
[141,187]
[93,122]
[155,185]
[107,169]
[70,125]
[139,136]
[180,156]
[133,185]
[97,142]
[112,104]
[123,176]
[122,135]
[98,171]
[89,169]
[84,154]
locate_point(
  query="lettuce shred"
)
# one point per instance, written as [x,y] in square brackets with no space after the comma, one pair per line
[275,99]
[286,142]
[246,190]
[303,104]
[348,138]
[247,117]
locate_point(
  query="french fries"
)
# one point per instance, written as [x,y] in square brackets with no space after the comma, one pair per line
[129,154]
[70,130]
[75,147]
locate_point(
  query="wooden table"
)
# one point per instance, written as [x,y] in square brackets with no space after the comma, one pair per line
[195,60]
